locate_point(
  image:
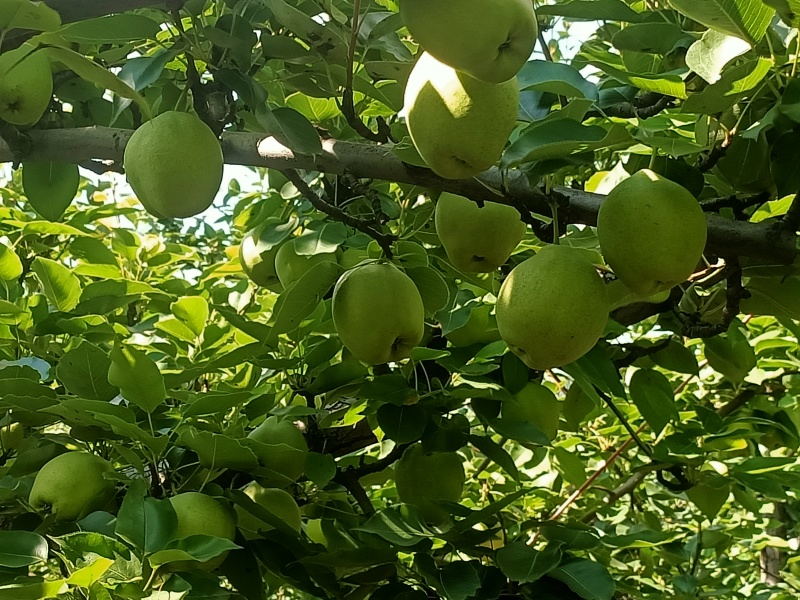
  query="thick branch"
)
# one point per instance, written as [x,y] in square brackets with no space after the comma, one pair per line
[726,238]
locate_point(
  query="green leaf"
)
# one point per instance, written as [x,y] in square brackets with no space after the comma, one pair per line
[24,14]
[403,424]
[396,527]
[33,591]
[733,84]
[494,452]
[137,377]
[84,372]
[663,83]
[746,19]
[677,357]
[731,354]
[588,579]
[654,38]
[291,129]
[146,523]
[710,495]
[10,264]
[21,549]
[218,451]
[558,138]
[519,562]
[195,547]
[94,73]
[50,187]
[193,311]
[556,78]
[60,285]
[89,574]
[432,288]
[320,468]
[112,29]
[653,396]
[323,240]
[591,10]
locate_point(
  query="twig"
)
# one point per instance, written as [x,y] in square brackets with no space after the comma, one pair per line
[636,479]
[642,107]
[347,105]
[379,465]
[634,434]
[364,225]
[734,294]
[349,479]
[635,352]
[710,161]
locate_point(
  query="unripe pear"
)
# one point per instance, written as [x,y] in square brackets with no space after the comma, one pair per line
[286,448]
[11,436]
[258,260]
[537,405]
[652,232]
[174,165]
[424,478]
[200,514]
[378,313]
[477,240]
[489,39]
[26,85]
[72,486]
[276,501]
[552,308]
[458,124]
[291,266]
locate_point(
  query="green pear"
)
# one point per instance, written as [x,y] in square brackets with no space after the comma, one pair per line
[480,328]
[200,514]
[11,436]
[174,165]
[477,240]
[537,405]
[458,124]
[489,39]
[424,478]
[652,232]
[72,485]
[26,85]
[257,258]
[281,448]
[278,502]
[552,308]
[378,313]
[291,266]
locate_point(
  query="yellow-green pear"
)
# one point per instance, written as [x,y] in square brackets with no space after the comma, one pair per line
[458,124]
[652,232]
[378,313]
[26,85]
[257,258]
[552,308]
[278,502]
[11,436]
[174,165]
[200,514]
[291,266]
[480,328]
[72,485]
[425,478]
[282,448]
[489,39]
[537,405]
[477,240]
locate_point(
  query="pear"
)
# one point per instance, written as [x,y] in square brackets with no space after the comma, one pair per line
[537,405]
[652,232]
[199,514]
[378,313]
[291,266]
[281,448]
[458,124]
[11,436]
[257,258]
[26,85]
[278,502]
[552,308]
[425,478]
[489,39]
[477,240]
[174,165]
[72,485]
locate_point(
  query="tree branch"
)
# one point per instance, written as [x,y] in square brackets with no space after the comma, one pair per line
[734,294]
[726,238]
[791,220]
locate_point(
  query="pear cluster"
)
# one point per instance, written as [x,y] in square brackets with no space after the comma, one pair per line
[461,99]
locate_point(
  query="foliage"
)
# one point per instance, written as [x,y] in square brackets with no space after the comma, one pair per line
[142,340]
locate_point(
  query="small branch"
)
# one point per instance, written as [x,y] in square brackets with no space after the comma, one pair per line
[734,294]
[642,107]
[710,161]
[379,465]
[364,225]
[634,352]
[738,205]
[634,481]
[349,479]
[18,142]
[633,433]
[347,105]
